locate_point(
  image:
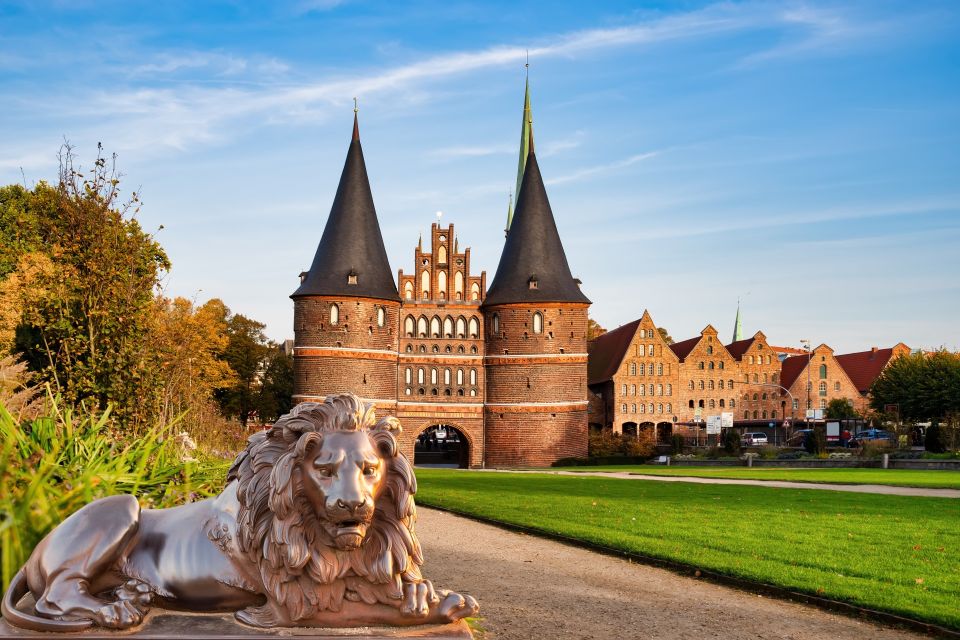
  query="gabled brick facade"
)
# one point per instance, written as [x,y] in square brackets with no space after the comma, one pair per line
[702,377]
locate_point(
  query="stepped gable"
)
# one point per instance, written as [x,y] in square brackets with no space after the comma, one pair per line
[533,266]
[607,352]
[351,259]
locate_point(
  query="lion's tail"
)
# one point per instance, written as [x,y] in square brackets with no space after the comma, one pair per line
[8,607]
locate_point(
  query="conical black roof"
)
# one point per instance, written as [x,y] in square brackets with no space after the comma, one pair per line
[351,249]
[533,251]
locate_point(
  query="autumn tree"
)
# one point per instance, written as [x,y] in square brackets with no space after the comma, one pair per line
[594,330]
[83,274]
[188,343]
[665,335]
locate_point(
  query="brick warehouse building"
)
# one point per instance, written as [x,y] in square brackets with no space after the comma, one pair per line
[638,382]
[506,367]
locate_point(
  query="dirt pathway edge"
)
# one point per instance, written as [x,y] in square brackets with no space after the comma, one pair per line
[691,571]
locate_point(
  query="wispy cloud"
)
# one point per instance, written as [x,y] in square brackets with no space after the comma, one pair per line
[472,152]
[742,220]
[222,64]
[602,168]
[190,112]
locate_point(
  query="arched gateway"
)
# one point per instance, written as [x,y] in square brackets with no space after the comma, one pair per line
[442,445]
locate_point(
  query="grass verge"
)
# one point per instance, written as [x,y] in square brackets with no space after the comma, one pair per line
[890,553]
[893,477]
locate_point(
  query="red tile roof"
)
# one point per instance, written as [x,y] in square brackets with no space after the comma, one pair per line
[607,352]
[864,367]
[791,368]
[684,347]
[738,348]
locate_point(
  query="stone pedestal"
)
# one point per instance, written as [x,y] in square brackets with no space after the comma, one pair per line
[169,625]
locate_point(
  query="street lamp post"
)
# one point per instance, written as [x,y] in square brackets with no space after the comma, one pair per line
[771,384]
[806,343]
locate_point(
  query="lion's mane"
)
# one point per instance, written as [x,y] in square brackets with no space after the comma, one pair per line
[281,536]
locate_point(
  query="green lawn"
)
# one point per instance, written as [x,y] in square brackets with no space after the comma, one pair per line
[895,477]
[891,553]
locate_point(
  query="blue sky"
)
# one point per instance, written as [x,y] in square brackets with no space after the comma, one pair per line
[802,156]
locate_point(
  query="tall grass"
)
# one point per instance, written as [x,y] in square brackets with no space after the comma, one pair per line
[52,465]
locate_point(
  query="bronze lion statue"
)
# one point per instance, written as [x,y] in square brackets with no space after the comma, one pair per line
[314,528]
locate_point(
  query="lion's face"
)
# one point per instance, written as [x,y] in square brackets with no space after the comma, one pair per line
[342,479]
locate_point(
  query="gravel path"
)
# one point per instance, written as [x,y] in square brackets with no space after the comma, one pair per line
[883,489]
[533,588]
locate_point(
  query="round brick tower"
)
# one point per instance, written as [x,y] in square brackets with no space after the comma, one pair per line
[346,310]
[536,346]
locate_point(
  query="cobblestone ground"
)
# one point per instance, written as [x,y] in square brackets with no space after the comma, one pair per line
[539,589]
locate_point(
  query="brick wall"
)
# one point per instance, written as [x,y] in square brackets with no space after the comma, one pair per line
[534,438]
[525,368]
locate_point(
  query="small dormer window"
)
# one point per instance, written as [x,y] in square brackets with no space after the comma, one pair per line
[303,276]
[534,282]
[352,277]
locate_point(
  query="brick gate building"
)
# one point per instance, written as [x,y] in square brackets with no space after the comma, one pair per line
[506,368]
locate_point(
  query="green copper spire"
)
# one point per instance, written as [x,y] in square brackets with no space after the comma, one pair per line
[509,215]
[737,327]
[524,145]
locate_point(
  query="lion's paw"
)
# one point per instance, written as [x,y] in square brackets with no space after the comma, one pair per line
[417,598]
[136,592]
[454,607]
[122,614]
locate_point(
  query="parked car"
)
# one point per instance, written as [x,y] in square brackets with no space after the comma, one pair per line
[872,435]
[753,439]
[798,437]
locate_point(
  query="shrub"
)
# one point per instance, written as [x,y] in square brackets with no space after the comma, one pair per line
[731,442]
[53,465]
[933,441]
[677,443]
[769,452]
[815,441]
[875,448]
[791,455]
[607,443]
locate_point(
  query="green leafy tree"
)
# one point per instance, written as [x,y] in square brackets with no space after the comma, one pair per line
[22,215]
[840,409]
[665,335]
[922,386]
[246,353]
[276,391]
[86,275]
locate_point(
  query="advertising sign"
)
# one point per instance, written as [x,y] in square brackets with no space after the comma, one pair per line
[713,425]
[726,420]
